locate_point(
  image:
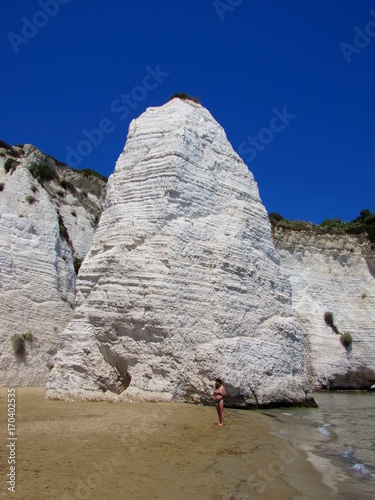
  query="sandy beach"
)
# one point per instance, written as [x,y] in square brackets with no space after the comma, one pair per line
[69,450]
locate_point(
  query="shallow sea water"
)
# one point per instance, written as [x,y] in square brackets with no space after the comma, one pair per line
[339,438]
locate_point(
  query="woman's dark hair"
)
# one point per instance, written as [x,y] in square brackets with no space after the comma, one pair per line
[219,380]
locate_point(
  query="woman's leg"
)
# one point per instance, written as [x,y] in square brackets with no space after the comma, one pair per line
[221,413]
[218,412]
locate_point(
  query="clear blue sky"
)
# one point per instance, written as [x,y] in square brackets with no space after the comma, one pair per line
[245,61]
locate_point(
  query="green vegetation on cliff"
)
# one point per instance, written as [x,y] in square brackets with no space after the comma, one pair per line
[185,97]
[364,224]
[87,172]
[43,172]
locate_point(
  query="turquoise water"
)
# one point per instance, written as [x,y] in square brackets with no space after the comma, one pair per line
[339,438]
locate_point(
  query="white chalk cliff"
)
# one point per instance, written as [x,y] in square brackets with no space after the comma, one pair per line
[333,273]
[182,283]
[43,227]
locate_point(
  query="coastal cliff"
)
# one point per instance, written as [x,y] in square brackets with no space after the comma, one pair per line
[333,273]
[183,281]
[48,214]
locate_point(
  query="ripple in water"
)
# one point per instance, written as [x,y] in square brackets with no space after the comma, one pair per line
[357,466]
[348,453]
[323,430]
[363,470]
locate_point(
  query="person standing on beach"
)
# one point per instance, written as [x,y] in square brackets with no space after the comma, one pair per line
[219,394]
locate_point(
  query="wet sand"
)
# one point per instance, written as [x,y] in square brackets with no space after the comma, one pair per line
[70,450]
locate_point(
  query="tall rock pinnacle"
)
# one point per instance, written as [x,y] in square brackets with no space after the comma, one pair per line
[182,283]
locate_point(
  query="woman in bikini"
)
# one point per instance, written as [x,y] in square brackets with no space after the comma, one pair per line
[219,394]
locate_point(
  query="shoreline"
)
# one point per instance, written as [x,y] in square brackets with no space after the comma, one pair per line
[307,474]
[326,473]
[152,450]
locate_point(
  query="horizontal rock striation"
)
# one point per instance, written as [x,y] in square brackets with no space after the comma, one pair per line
[48,214]
[182,283]
[333,273]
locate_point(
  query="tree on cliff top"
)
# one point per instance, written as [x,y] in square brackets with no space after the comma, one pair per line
[185,97]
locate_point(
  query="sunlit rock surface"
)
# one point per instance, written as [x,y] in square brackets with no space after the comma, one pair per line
[182,283]
[333,273]
[43,227]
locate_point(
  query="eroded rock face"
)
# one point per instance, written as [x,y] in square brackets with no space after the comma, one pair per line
[43,227]
[182,283]
[332,273]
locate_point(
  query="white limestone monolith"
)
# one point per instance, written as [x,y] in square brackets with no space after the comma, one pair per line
[182,283]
